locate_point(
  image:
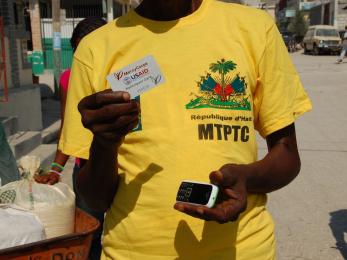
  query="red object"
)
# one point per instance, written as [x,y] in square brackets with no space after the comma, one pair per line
[3,77]
[228,90]
[64,80]
[218,89]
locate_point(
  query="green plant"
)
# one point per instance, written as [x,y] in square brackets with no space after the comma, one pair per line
[298,25]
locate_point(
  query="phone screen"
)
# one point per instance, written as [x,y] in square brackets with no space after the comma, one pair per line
[194,193]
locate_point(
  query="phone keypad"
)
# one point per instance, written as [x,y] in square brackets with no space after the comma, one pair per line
[184,192]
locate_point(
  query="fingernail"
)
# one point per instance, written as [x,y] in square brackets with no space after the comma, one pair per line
[126,96]
[178,207]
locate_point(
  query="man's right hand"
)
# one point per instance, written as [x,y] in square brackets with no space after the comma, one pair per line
[109,116]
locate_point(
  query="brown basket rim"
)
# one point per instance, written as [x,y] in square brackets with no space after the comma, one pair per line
[67,237]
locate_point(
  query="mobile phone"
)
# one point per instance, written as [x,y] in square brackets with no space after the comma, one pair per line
[197,193]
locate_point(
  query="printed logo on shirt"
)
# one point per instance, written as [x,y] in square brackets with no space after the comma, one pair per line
[139,125]
[222,88]
[225,128]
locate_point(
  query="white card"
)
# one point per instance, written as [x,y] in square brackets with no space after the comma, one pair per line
[137,77]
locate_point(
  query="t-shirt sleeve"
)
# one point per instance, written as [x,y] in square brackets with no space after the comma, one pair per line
[75,139]
[279,97]
[64,80]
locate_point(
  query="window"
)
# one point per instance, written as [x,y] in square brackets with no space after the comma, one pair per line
[327,32]
[85,10]
[45,10]
[309,33]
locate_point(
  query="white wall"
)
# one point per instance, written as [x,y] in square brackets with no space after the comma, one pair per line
[66,27]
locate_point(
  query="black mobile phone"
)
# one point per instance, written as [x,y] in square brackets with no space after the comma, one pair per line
[197,193]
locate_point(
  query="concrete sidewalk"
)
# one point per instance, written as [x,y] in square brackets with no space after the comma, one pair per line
[311,213]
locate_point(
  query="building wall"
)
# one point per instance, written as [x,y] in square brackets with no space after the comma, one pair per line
[25,103]
[342,15]
[315,14]
[6,7]
[24,67]
[24,99]
[342,21]
[72,12]
[18,69]
[132,3]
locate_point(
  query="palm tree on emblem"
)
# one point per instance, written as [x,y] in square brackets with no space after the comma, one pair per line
[223,67]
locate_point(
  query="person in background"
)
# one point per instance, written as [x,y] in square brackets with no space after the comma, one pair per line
[53,176]
[225,73]
[8,166]
[344,47]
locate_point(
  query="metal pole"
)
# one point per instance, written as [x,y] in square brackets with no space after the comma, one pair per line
[322,12]
[110,10]
[34,10]
[336,10]
[104,8]
[123,9]
[36,36]
[56,44]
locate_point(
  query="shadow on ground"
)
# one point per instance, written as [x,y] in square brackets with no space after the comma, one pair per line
[50,111]
[338,225]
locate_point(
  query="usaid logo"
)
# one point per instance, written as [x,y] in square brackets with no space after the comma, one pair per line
[127,80]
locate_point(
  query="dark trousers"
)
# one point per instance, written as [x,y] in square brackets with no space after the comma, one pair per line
[95,250]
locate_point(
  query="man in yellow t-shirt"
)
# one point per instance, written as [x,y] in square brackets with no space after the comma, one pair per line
[227,74]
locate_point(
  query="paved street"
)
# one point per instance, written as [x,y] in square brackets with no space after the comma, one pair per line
[311,213]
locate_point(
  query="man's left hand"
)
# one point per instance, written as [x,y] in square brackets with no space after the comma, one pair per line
[231,180]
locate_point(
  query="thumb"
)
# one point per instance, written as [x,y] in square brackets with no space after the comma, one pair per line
[217,178]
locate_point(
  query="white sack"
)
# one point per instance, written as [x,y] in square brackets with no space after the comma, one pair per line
[53,204]
[18,227]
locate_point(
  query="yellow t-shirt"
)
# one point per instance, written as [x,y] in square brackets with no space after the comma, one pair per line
[227,73]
